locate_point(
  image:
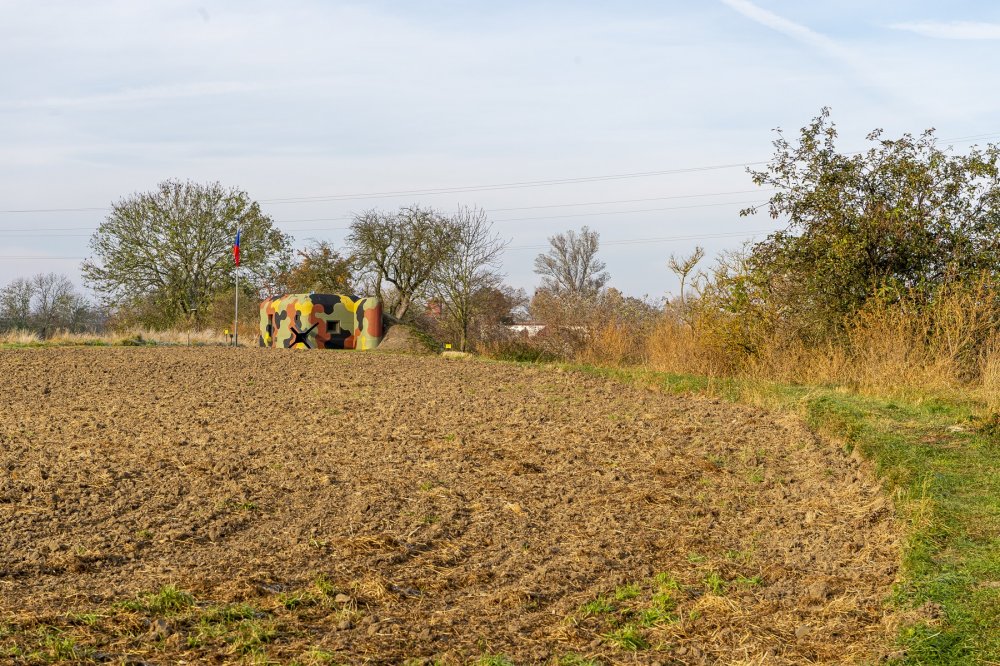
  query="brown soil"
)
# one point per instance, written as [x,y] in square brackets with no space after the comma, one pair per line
[378,508]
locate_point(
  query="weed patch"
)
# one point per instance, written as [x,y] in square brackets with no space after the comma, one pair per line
[628,637]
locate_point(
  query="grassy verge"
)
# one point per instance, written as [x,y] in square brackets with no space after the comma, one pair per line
[940,460]
[17,339]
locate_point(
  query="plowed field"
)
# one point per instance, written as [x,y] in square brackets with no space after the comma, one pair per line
[216,505]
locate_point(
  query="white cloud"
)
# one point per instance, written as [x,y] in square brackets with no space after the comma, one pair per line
[952,29]
[794,30]
[863,65]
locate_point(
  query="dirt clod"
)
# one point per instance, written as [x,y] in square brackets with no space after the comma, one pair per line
[160,629]
[818,592]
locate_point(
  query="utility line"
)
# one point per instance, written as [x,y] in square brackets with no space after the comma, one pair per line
[559,181]
[621,241]
[331,219]
[507,186]
[575,215]
[662,239]
[7,234]
[446,190]
[498,186]
[493,210]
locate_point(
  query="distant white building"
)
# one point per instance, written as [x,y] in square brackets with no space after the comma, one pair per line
[528,328]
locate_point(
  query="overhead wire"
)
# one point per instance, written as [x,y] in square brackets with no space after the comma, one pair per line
[14,232]
[444,190]
[494,186]
[479,188]
[621,241]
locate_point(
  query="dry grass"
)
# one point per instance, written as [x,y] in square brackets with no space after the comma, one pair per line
[612,344]
[20,337]
[895,347]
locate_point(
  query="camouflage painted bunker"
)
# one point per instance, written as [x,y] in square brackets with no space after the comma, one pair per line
[320,321]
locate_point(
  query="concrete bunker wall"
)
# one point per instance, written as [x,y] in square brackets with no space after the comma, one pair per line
[320,321]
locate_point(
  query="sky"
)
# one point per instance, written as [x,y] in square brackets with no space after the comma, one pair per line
[548,115]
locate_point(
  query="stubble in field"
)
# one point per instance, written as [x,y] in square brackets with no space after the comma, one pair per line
[200,504]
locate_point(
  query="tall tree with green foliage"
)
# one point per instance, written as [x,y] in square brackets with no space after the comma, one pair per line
[906,213]
[173,246]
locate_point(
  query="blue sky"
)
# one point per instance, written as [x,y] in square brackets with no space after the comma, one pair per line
[307,99]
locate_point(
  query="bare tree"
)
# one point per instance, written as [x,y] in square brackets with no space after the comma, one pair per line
[473,266]
[55,299]
[571,265]
[15,304]
[682,267]
[404,249]
[45,302]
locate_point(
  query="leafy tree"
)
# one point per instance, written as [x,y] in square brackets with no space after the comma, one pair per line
[320,268]
[501,305]
[905,214]
[471,269]
[571,266]
[405,249]
[173,246]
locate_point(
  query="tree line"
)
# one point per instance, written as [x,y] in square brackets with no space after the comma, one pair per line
[162,259]
[46,303]
[897,223]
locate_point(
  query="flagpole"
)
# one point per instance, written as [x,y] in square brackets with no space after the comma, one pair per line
[236,310]
[236,314]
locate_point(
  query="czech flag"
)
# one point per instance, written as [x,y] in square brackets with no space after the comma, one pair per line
[236,248]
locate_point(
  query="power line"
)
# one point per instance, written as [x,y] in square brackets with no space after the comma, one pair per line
[55,210]
[662,239]
[507,186]
[447,190]
[557,181]
[496,186]
[621,241]
[626,212]
[37,257]
[565,205]
[7,234]
[601,203]
[494,210]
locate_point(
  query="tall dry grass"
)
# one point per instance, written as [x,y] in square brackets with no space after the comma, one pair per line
[612,344]
[120,337]
[896,344]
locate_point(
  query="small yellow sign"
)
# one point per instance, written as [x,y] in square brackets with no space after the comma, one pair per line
[447,345]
